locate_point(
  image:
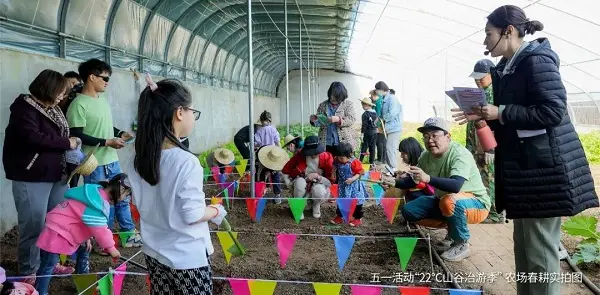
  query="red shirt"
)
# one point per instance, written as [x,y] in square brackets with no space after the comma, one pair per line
[296,166]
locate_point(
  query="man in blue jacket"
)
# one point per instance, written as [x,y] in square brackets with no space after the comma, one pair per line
[391,113]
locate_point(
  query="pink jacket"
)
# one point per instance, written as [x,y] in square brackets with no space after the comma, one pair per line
[84,214]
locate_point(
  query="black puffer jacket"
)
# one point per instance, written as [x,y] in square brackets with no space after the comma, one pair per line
[546,175]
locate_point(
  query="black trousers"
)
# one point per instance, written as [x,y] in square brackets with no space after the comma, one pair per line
[240,144]
[369,142]
[358,212]
[381,141]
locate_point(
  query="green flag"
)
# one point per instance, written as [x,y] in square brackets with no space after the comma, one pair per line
[226,194]
[105,285]
[405,247]
[125,235]
[206,173]
[83,282]
[297,206]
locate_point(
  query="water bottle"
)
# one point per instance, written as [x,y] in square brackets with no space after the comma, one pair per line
[485,135]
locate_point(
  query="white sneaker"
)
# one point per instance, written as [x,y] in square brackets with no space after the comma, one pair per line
[444,244]
[563,254]
[317,210]
[134,241]
[457,252]
[278,200]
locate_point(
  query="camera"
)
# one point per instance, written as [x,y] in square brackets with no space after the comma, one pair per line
[76,89]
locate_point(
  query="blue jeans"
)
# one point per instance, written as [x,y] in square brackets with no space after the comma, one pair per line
[82,260]
[121,209]
[47,262]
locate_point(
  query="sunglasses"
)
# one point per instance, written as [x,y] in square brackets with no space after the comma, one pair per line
[196,113]
[105,78]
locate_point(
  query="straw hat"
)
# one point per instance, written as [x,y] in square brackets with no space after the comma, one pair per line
[288,139]
[367,101]
[224,156]
[87,166]
[273,157]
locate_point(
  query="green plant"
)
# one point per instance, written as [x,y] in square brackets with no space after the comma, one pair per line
[588,250]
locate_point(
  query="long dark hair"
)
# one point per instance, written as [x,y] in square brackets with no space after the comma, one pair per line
[114,186]
[510,15]
[155,124]
[412,148]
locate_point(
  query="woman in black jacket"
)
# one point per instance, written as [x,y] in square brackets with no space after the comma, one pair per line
[541,169]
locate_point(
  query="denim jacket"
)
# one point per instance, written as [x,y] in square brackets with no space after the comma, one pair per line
[392,114]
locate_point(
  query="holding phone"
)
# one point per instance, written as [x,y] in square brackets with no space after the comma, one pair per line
[130,140]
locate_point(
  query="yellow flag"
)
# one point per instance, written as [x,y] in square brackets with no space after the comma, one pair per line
[262,287]
[327,288]
[226,243]
[241,168]
[82,282]
[62,258]
[366,167]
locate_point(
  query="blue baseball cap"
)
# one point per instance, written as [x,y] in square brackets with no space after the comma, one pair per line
[482,68]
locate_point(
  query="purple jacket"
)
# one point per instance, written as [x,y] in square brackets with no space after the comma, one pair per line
[33,145]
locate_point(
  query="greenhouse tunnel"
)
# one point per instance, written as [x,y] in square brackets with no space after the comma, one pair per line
[418,48]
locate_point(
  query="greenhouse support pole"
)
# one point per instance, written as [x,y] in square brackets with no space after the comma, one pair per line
[287,78]
[301,74]
[308,79]
[251,102]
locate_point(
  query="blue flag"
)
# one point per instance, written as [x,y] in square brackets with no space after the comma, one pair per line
[346,206]
[260,207]
[465,292]
[377,192]
[343,247]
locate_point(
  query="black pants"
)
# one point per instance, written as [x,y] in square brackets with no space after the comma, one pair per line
[240,144]
[165,280]
[369,142]
[270,177]
[332,149]
[75,179]
[381,141]
[358,212]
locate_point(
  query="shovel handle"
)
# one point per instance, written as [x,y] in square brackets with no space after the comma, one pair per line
[227,227]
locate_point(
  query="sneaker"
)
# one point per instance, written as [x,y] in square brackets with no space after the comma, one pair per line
[302,216]
[316,210]
[444,244]
[63,270]
[134,241]
[563,254]
[458,251]
[337,220]
[278,200]
[355,222]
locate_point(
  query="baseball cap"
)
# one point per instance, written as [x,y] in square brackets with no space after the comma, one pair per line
[482,68]
[434,123]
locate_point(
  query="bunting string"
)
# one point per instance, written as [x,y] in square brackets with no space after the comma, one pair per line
[78,274]
[308,198]
[111,271]
[297,234]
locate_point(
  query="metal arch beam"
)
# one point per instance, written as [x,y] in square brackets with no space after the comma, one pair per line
[147,23]
[174,28]
[238,33]
[62,21]
[108,29]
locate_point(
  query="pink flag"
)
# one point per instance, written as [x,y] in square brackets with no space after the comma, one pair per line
[215,173]
[259,189]
[239,286]
[118,279]
[285,245]
[390,208]
[365,290]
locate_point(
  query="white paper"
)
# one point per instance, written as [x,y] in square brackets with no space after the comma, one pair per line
[452,95]
[530,133]
[468,98]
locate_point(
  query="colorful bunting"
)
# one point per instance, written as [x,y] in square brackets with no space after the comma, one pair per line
[365,290]
[297,206]
[334,190]
[222,178]
[327,288]
[239,286]
[124,236]
[241,168]
[255,208]
[465,292]
[206,173]
[226,242]
[346,206]
[375,175]
[405,248]
[226,195]
[366,175]
[228,169]
[262,287]
[366,167]
[390,207]
[215,173]
[117,240]
[62,258]
[118,279]
[415,290]
[378,192]
[343,247]
[259,188]
[105,285]
[83,282]
[135,214]
[148,283]
[285,245]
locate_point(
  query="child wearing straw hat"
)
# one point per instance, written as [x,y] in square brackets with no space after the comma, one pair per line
[220,157]
[293,143]
[271,160]
[369,130]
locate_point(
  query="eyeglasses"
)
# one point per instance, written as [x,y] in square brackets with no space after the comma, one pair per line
[196,113]
[105,78]
[434,136]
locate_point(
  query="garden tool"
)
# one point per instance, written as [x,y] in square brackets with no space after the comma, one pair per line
[238,249]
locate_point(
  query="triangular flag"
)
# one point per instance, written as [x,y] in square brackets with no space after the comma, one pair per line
[241,168]
[206,173]
[365,290]
[222,178]
[239,286]
[125,235]
[228,170]
[390,207]
[334,190]
[285,245]
[464,292]
[405,247]
[259,188]
[378,192]
[62,258]
[226,243]
[117,240]
[215,173]
[226,195]
[135,214]
[375,175]
[346,206]
[260,207]
[366,176]
[118,279]
[251,206]
[297,206]
[366,167]
[148,283]
[231,189]
[256,207]
[327,288]
[237,187]
[105,284]
[343,247]
[262,287]
[83,282]
[415,290]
